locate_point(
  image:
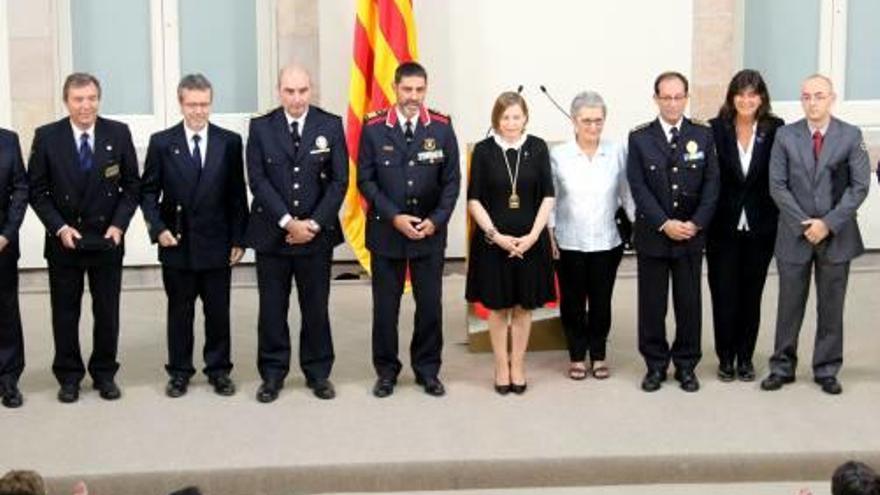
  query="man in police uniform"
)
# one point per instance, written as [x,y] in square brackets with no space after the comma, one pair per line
[673,173]
[408,171]
[298,170]
[84,187]
[13,203]
[195,206]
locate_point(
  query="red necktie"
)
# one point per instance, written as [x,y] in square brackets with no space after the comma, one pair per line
[817,145]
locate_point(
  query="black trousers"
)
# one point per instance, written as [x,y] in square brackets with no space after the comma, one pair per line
[66,290]
[737,272]
[653,281]
[583,277]
[182,288]
[274,278]
[11,341]
[426,278]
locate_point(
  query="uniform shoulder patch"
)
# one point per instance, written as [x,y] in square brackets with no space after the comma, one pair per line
[641,126]
[375,116]
[442,117]
[700,122]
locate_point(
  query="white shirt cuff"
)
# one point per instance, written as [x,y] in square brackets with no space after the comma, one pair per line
[286,218]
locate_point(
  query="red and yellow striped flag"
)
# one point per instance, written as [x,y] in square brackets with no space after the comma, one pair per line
[384,37]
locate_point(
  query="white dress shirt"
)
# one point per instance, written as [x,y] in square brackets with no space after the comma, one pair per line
[77,133]
[667,127]
[203,143]
[745,160]
[401,118]
[588,193]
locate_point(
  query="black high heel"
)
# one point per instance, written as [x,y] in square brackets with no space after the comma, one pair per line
[518,388]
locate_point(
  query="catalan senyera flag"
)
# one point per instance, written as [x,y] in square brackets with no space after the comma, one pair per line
[384,37]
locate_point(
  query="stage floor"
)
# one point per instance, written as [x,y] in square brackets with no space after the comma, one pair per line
[560,433]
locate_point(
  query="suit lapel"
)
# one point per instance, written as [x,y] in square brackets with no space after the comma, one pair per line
[733,145]
[282,132]
[69,159]
[829,143]
[180,156]
[101,154]
[309,130]
[213,156]
[805,147]
[663,145]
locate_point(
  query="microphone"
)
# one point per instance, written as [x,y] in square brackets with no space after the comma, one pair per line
[553,101]
[519,90]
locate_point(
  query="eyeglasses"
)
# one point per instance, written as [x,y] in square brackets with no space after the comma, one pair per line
[593,122]
[671,99]
[817,97]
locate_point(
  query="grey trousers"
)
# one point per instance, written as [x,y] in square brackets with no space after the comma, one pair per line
[794,287]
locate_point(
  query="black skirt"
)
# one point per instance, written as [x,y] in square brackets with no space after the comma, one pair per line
[500,282]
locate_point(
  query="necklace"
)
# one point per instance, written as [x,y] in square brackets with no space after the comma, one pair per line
[513,175]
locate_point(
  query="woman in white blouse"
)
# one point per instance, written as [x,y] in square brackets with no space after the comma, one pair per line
[589,176]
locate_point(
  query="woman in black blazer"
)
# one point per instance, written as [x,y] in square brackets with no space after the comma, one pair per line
[743,231]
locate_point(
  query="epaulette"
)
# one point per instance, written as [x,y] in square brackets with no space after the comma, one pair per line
[641,126]
[375,115]
[442,117]
[700,122]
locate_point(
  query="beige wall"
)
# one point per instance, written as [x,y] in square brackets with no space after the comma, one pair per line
[473,50]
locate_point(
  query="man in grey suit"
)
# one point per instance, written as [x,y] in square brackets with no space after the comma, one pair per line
[819,175]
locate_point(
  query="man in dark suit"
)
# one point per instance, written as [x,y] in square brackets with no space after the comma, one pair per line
[673,174]
[408,171]
[195,206]
[84,187]
[819,175]
[13,203]
[298,170]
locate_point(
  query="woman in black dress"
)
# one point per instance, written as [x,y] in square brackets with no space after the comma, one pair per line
[743,231]
[510,196]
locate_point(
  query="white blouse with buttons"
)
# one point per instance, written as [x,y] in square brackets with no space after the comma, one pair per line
[588,193]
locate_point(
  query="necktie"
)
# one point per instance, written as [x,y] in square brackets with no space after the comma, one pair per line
[408,131]
[197,154]
[673,140]
[818,139]
[85,153]
[294,135]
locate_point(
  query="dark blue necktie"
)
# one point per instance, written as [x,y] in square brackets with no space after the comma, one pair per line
[197,154]
[85,153]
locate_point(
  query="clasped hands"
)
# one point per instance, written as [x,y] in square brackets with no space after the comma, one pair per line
[816,230]
[516,247]
[414,228]
[680,231]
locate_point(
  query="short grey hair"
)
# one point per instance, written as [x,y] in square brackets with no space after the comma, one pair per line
[587,99]
[194,82]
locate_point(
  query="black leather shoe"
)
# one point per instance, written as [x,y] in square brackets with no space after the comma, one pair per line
[107,390]
[322,389]
[223,385]
[68,393]
[775,382]
[433,386]
[687,380]
[384,387]
[726,372]
[519,388]
[653,380]
[176,387]
[830,385]
[502,389]
[268,392]
[12,396]
[745,371]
